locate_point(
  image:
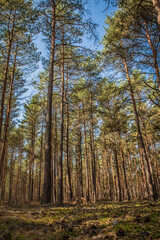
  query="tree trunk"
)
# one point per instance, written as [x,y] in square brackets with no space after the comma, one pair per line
[79,160]
[118,175]
[92,147]
[4,179]
[47,189]
[7,120]
[124,169]
[60,180]
[86,158]
[140,137]
[31,166]
[6,75]
[40,165]
[11,175]
[67,141]
[55,168]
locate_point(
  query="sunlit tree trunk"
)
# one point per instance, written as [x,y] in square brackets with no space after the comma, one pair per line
[140,137]
[93,160]
[79,159]
[55,158]
[118,175]
[86,158]
[67,141]
[7,120]
[11,176]
[47,189]
[6,73]
[124,169]
[60,178]
[40,165]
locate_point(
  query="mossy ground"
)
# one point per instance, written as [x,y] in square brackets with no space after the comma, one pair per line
[127,220]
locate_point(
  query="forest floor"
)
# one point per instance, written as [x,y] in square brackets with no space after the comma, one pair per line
[107,220]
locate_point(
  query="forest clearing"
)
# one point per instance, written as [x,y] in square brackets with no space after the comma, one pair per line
[79,119]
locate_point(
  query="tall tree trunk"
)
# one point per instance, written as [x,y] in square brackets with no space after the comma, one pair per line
[67,141]
[86,158]
[11,175]
[134,186]
[19,179]
[79,160]
[31,165]
[6,75]
[40,166]
[7,120]
[124,169]
[104,172]
[4,179]
[140,137]
[60,180]
[47,189]
[55,168]
[118,175]
[92,147]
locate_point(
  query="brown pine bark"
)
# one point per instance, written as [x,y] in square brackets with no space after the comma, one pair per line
[119,186]
[11,176]
[7,120]
[133,182]
[18,181]
[154,195]
[31,165]
[104,173]
[67,141]
[112,175]
[11,33]
[93,160]
[86,157]
[47,187]
[40,165]
[79,172]
[55,158]
[4,177]
[124,169]
[60,180]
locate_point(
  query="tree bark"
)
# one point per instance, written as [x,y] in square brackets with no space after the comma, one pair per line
[47,188]
[40,165]
[7,120]
[124,169]
[118,175]
[86,157]
[92,147]
[6,75]
[11,175]
[67,140]
[140,137]
[60,180]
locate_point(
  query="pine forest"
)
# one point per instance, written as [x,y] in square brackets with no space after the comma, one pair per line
[79,120]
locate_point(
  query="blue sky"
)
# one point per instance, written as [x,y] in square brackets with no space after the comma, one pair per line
[98,14]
